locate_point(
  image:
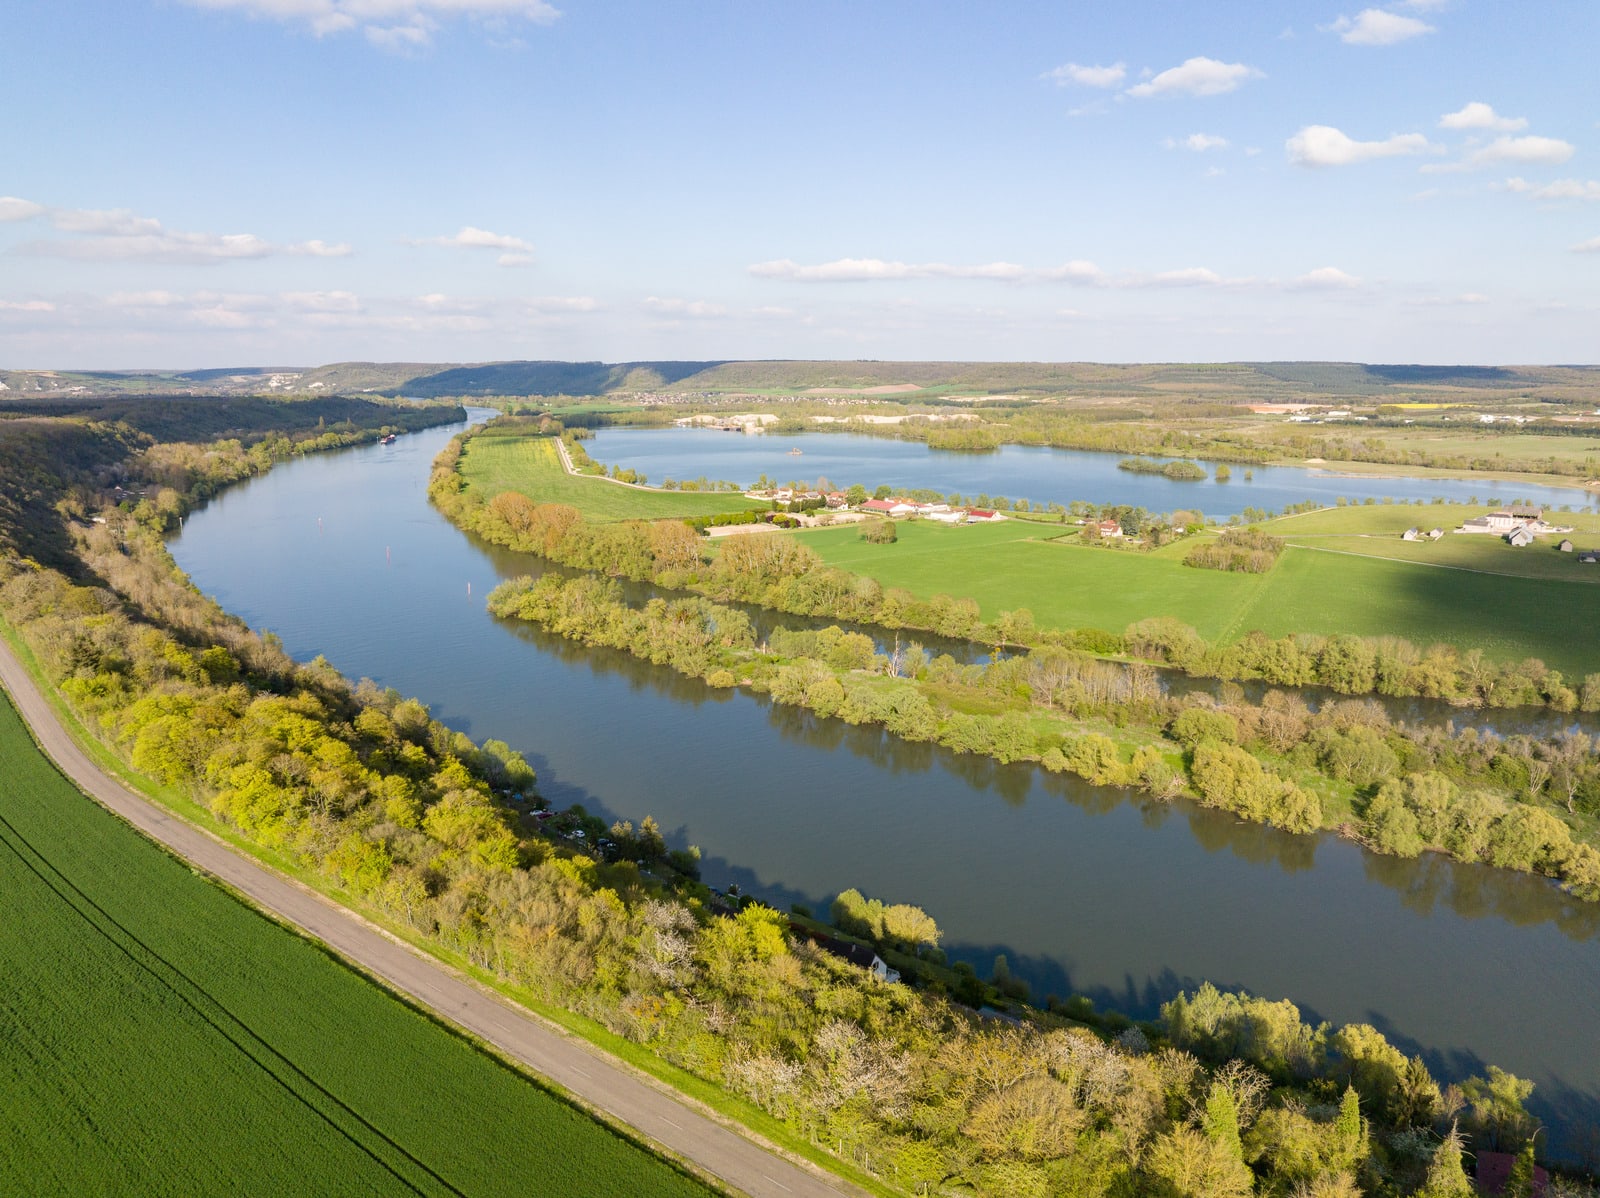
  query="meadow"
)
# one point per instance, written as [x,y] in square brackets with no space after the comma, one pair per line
[1371,589]
[492,463]
[162,1037]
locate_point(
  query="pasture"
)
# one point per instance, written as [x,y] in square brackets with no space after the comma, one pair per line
[496,462]
[1372,591]
[162,1037]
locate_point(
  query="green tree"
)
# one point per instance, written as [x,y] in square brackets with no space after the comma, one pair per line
[1446,1177]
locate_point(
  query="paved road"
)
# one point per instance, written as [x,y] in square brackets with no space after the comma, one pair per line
[581,1068]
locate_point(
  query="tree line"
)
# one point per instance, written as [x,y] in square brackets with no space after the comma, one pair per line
[1400,789]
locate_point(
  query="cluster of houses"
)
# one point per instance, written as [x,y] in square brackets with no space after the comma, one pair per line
[942,512]
[1519,524]
[838,501]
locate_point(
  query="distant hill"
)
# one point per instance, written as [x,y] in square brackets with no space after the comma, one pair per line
[549,378]
[1220,382]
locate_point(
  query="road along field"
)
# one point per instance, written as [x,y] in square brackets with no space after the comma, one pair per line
[1345,571]
[494,462]
[162,1037]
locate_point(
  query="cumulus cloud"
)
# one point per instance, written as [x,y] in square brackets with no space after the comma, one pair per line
[1326,278]
[1478,115]
[1198,76]
[11,208]
[1089,76]
[1323,145]
[860,270]
[1465,299]
[1198,142]
[699,309]
[1592,246]
[1547,151]
[399,25]
[1377,27]
[1076,273]
[321,249]
[1560,189]
[119,235]
[471,238]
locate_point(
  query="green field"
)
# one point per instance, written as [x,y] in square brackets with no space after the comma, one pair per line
[494,463]
[1069,585]
[161,1037]
[1375,531]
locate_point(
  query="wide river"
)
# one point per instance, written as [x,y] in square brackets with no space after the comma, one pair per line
[1024,472]
[1083,889]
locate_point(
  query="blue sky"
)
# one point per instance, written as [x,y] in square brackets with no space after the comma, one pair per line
[287,182]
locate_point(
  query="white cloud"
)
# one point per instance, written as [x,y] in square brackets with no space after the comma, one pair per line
[1465,299]
[1089,76]
[119,235]
[400,25]
[1548,151]
[470,238]
[1193,276]
[1326,278]
[322,301]
[1323,145]
[321,249]
[1560,189]
[11,208]
[1478,115]
[1377,27]
[1198,142]
[194,249]
[26,306]
[1197,77]
[861,270]
[700,309]
[1592,246]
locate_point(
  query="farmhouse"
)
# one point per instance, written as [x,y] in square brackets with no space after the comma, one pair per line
[1505,520]
[980,515]
[1520,537]
[1109,528]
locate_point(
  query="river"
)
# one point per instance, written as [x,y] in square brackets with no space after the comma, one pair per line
[1025,472]
[1083,889]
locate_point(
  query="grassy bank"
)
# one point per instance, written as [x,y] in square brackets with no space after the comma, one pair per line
[149,1007]
[494,462]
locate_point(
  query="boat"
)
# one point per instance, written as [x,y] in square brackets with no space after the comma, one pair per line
[389,440]
[795,452]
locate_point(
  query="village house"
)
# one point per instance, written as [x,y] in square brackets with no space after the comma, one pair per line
[1109,528]
[1506,520]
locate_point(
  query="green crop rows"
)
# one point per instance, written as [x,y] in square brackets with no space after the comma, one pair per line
[158,1036]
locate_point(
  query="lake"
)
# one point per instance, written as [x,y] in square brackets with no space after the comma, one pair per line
[1023,472]
[1084,889]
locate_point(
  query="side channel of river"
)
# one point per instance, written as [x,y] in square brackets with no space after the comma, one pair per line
[1026,472]
[1084,889]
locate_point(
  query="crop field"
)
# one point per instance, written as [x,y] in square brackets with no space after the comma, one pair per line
[161,1037]
[1069,585]
[493,464]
